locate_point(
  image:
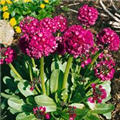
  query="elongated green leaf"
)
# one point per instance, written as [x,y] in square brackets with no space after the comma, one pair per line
[56,80]
[108,115]
[26,116]
[8,96]
[10,83]
[43,100]
[24,88]
[16,103]
[77,105]
[91,116]
[103,108]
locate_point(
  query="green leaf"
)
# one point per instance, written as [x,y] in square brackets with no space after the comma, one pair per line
[107,87]
[16,103]
[77,105]
[43,100]
[103,108]
[56,80]
[65,116]
[24,88]
[13,111]
[81,113]
[7,96]
[108,115]
[91,117]
[10,83]
[26,116]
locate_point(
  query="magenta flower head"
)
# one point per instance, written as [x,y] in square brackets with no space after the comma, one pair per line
[104,70]
[40,113]
[49,24]
[60,22]
[109,38]
[47,116]
[72,112]
[7,55]
[41,43]
[77,40]
[29,24]
[87,15]
[99,93]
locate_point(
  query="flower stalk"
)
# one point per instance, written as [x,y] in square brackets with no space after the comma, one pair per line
[33,62]
[67,71]
[15,71]
[93,61]
[42,75]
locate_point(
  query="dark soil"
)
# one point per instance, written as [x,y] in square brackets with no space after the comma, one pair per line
[69,9]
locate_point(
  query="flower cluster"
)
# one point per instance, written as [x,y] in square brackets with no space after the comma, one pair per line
[57,23]
[7,55]
[40,113]
[87,15]
[99,93]
[77,40]
[104,70]
[108,38]
[72,113]
[36,41]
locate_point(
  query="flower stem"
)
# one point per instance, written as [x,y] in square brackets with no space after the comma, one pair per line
[42,74]
[93,61]
[31,78]
[15,71]
[33,62]
[95,81]
[67,71]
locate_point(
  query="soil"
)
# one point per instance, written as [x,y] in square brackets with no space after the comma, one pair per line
[69,8]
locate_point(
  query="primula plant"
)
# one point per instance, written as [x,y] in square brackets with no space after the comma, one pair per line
[61,72]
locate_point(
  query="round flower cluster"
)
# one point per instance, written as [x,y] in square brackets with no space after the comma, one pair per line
[104,70]
[99,93]
[29,25]
[57,23]
[108,38]
[87,15]
[77,40]
[72,112]
[60,22]
[38,42]
[48,23]
[7,55]
[40,113]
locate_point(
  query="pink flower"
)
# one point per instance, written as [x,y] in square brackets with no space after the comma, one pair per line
[47,116]
[35,110]
[108,38]
[72,112]
[77,40]
[31,88]
[60,22]
[49,24]
[29,25]
[86,62]
[99,93]
[42,109]
[7,55]
[87,15]
[104,70]
[41,43]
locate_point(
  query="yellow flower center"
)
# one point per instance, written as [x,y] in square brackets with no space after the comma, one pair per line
[2,2]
